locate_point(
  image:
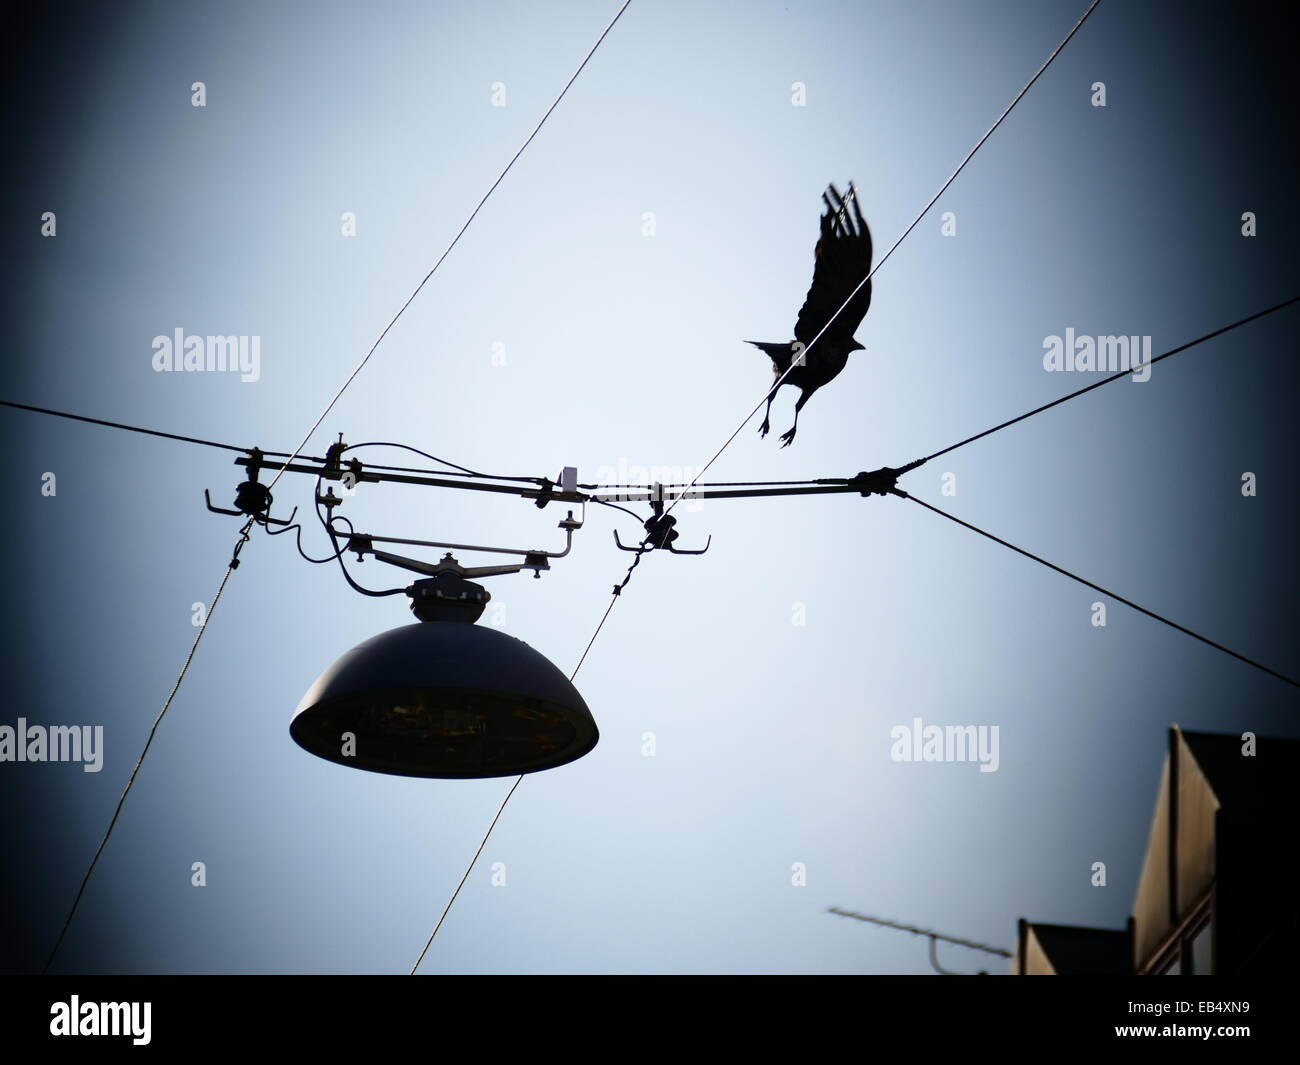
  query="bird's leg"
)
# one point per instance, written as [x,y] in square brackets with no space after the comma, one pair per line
[767,415]
[788,437]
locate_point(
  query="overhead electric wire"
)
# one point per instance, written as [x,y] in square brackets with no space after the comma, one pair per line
[618,591]
[1114,377]
[615,597]
[613,22]
[697,484]
[978,436]
[290,457]
[796,487]
[454,241]
[824,481]
[413,450]
[894,247]
[501,809]
[468,869]
[1105,591]
[455,471]
[833,484]
[244,537]
[933,200]
[121,425]
[230,568]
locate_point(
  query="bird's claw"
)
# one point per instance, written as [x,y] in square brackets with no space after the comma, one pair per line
[787,438]
[762,429]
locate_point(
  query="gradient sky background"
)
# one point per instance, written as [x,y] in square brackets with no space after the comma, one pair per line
[773,739]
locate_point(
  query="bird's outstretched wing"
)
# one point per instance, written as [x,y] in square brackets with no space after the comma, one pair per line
[843,255]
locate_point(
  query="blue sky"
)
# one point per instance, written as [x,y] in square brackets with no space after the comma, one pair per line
[772,738]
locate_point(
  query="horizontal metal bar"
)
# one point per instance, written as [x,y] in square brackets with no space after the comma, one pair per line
[432,569]
[556,495]
[729,493]
[436,543]
[401,478]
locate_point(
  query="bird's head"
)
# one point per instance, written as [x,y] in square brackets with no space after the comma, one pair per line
[855,346]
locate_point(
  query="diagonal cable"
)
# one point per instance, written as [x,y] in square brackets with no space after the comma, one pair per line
[1114,377]
[1105,591]
[121,425]
[501,809]
[454,241]
[915,222]
[233,565]
[316,425]
[614,599]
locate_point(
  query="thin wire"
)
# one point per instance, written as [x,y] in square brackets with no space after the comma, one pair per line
[230,568]
[296,528]
[1114,377]
[695,480]
[468,869]
[501,809]
[234,562]
[615,597]
[455,240]
[456,470]
[417,451]
[607,503]
[1002,425]
[1106,592]
[618,591]
[442,473]
[328,526]
[608,610]
[122,425]
[915,222]
[693,484]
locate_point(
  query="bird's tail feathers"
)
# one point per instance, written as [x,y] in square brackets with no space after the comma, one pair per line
[780,353]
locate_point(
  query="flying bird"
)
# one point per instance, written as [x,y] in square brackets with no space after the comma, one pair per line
[843,260]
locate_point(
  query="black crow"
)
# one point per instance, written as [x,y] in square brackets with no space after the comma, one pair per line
[843,259]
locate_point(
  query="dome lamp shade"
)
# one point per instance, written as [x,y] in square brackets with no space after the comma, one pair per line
[444,698]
